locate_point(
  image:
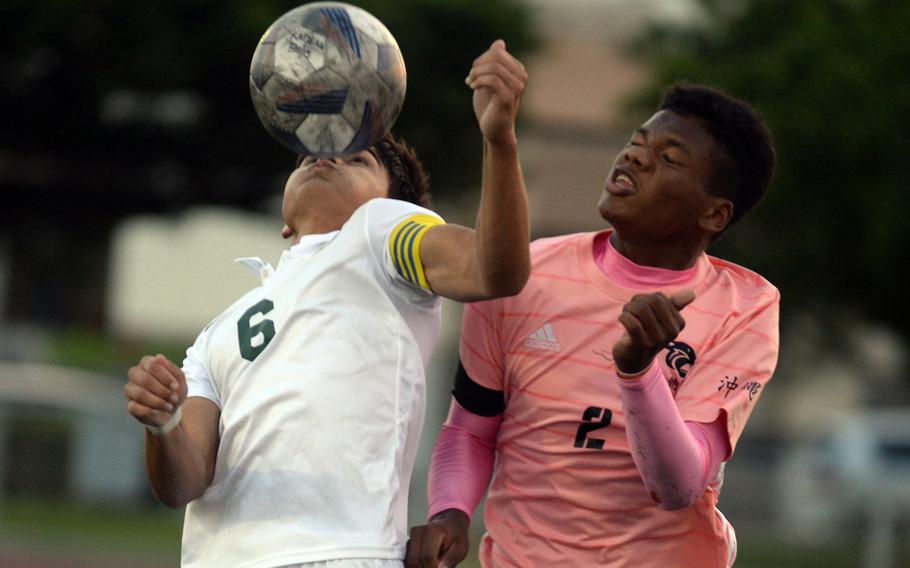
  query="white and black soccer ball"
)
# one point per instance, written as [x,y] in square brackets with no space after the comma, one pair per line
[327,79]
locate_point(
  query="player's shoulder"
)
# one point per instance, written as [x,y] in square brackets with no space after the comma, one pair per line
[376,220]
[548,249]
[744,282]
[384,210]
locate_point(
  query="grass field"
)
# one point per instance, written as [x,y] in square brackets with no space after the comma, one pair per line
[39,534]
[89,536]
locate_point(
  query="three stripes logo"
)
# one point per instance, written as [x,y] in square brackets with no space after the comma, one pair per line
[543,338]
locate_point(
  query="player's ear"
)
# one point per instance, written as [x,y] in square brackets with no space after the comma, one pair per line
[717,215]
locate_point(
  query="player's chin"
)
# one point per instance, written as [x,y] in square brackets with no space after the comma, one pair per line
[609,207]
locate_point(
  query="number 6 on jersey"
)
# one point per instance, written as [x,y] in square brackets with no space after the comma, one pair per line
[254,337]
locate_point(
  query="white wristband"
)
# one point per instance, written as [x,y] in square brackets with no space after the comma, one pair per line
[171,423]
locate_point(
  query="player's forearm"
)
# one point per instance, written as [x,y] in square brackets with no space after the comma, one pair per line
[676,462]
[462,461]
[503,224]
[176,468]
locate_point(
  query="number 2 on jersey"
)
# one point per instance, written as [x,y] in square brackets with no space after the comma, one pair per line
[591,414]
[248,333]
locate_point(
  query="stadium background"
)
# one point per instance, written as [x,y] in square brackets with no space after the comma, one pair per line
[133,169]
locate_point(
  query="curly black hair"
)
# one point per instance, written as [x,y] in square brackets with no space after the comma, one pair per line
[745,157]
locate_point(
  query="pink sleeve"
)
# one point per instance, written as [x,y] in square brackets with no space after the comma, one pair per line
[462,461]
[676,459]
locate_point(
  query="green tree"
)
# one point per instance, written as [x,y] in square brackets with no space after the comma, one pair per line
[830,77]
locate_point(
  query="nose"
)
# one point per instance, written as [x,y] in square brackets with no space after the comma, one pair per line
[638,156]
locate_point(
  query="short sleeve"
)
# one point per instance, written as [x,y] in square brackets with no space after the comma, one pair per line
[730,376]
[395,230]
[198,380]
[480,348]
[404,247]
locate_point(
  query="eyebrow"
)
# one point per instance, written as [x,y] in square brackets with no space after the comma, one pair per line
[670,141]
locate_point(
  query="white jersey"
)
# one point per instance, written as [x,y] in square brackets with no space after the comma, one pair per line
[319,375]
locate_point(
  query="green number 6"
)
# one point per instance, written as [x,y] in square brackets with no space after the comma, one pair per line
[247,333]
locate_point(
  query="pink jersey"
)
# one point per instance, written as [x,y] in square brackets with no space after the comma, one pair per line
[565,489]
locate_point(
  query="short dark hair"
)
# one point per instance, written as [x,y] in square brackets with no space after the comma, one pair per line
[745,161]
[409,180]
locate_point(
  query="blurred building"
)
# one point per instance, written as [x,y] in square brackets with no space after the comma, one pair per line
[575,105]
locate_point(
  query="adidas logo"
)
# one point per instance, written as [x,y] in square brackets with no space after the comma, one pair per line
[543,338]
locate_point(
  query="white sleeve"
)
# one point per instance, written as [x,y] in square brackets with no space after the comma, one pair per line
[395,230]
[198,380]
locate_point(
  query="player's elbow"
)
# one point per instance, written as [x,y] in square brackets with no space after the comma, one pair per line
[675,505]
[171,501]
[175,499]
[675,501]
[507,281]
[509,287]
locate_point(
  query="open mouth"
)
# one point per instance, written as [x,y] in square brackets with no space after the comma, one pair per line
[623,180]
[621,183]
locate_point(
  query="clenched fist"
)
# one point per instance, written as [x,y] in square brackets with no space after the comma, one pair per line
[498,81]
[651,322]
[441,543]
[155,389]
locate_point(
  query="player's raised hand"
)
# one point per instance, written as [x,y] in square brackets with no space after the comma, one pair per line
[155,389]
[441,543]
[651,322]
[498,81]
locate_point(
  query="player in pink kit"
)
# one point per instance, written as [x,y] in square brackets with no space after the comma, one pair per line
[604,399]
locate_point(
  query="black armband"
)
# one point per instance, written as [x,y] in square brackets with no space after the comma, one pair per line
[476,398]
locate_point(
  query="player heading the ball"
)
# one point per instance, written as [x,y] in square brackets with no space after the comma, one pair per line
[291,429]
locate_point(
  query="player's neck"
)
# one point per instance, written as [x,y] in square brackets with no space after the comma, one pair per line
[672,255]
[317,223]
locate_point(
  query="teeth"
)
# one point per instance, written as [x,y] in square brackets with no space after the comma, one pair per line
[624,178]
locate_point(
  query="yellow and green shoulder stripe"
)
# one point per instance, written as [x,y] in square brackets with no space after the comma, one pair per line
[404,245]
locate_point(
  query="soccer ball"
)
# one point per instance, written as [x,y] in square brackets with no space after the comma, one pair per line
[327,79]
